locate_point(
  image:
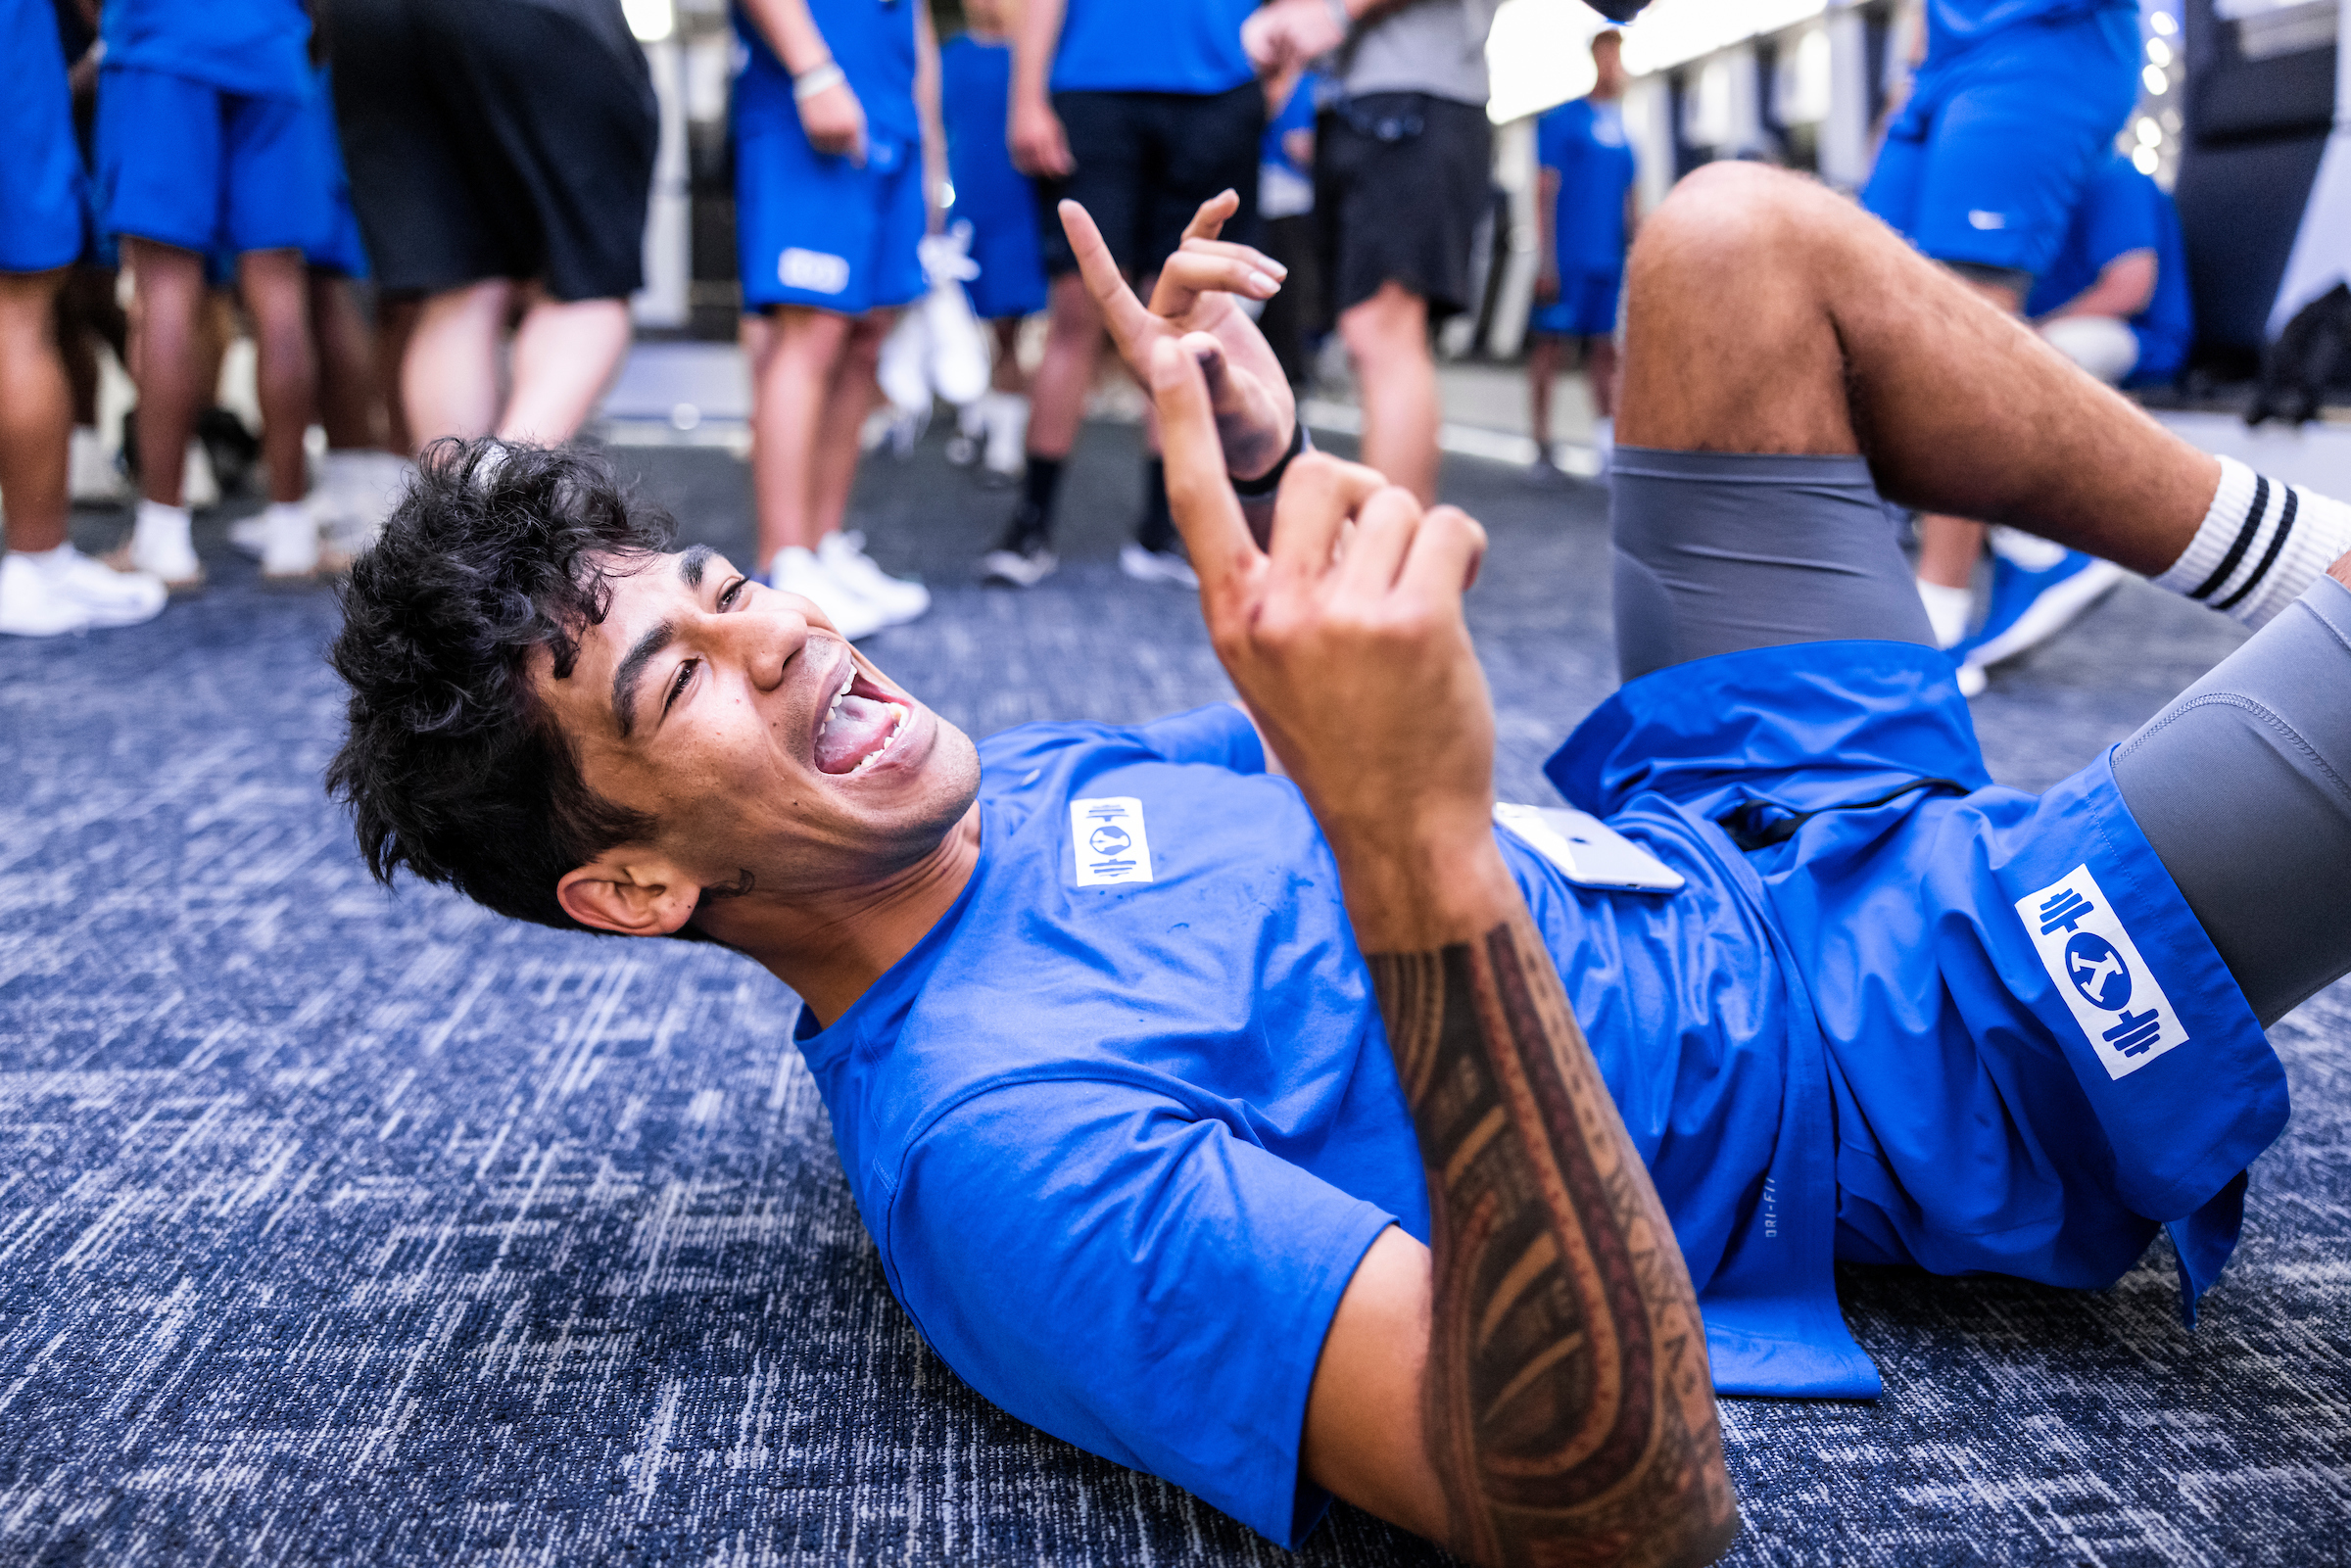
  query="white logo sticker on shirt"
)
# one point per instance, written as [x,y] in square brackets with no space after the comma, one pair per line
[2113,994]
[812,271]
[1108,838]
[1978,217]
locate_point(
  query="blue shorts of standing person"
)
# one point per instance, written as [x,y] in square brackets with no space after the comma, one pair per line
[2008,117]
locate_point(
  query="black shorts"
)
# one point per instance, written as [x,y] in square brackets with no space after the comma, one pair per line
[1401,180]
[497,141]
[1146,162]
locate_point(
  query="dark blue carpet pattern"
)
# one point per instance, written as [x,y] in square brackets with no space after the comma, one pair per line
[344,1227]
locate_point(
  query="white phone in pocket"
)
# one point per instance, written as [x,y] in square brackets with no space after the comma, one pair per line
[1589,851]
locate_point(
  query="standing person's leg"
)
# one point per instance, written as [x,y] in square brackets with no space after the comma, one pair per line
[566,354]
[167,293]
[1396,383]
[47,587]
[796,379]
[277,289]
[848,398]
[449,376]
[1543,360]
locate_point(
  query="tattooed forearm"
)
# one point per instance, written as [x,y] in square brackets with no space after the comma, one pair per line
[1568,1412]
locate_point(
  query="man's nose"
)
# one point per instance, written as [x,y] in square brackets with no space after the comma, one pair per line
[768,636]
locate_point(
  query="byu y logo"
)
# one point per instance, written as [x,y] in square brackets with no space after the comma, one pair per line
[1107,837]
[2106,985]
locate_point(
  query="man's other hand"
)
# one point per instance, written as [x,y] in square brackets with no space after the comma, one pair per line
[835,121]
[1290,32]
[1255,412]
[1347,641]
[1039,147]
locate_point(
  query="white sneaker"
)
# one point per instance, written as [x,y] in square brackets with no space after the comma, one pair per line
[107,597]
[250,536]
[289,541]
[92,476]
[161,547]
[1156,566]
[896,600]
[970,430]
[29,605]
[1022,565]
[795,569]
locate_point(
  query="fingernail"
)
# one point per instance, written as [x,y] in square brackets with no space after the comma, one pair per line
[1261,283]
[1279,270]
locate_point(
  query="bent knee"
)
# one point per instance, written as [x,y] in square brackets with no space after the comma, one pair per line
[1732,212]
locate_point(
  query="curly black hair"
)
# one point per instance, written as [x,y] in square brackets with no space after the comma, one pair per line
[451,766]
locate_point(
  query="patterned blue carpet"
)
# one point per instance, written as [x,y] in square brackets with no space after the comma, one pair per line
[344,1227]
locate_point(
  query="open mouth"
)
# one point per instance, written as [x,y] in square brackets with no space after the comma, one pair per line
[859,728]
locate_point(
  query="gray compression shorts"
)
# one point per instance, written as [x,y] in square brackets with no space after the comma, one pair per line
[2242,784]
[1721,551]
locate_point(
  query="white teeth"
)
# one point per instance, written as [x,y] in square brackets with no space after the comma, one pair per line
[896,729]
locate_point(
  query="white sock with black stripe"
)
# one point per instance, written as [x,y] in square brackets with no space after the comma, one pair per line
[2262,542]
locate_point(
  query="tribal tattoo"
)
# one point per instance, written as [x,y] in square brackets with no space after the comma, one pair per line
[1568,1407]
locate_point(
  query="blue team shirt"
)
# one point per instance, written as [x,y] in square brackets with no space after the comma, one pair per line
[873,43]
[2124,211]
[1123,1146]
[257,47]
[1169,46]
[1960,23]
[1585,142]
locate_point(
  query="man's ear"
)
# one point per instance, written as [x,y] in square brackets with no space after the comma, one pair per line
[632,893]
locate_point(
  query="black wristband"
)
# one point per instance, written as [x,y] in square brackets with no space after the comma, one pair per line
[1264,484]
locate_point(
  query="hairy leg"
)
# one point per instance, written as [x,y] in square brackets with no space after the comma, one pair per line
[449,376]
[1396,380]
[1057,392]
[276,288]
[170,293]
[1767,314]
[1542,370]
[851,399]
[796,379]
[347,384]
[36,412]
[566,353]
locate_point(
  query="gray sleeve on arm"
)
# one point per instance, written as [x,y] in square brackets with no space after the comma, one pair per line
[2243,787]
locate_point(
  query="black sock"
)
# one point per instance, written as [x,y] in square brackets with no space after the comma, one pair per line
[1157,531]
[1040,488]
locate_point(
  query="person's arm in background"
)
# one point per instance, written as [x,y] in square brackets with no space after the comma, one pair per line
[1534,1388]
[1288,32]
[2125,287]
[934,125]
[832,116]
[1033,131]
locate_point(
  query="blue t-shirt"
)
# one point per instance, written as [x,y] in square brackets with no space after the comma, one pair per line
[1960,23]
[1169,46]
[2124,211]
[975,84]
[873,43]
[257,47]
[1585,142]
[1123,1146]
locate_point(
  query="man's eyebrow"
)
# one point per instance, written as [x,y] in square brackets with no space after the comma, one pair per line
[691,564]
[624,678]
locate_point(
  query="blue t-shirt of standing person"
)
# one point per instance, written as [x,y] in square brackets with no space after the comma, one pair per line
[2124,211]
[1960,23]
[1585,143]
[1166,46]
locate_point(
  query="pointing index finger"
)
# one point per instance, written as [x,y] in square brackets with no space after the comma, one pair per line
[1121,309]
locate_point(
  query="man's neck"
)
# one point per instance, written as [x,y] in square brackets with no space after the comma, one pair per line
[833,948]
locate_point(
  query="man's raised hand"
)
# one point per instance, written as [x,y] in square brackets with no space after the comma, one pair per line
[1349,646]
[1255,412]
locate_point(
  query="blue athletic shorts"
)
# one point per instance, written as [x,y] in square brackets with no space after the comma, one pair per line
[1586,306]
[183,163]
[1012,267]
[1990,156]
[2035,1057]
[821,231]
[43,197]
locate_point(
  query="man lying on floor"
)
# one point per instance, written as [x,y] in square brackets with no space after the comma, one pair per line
[1238,1127]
